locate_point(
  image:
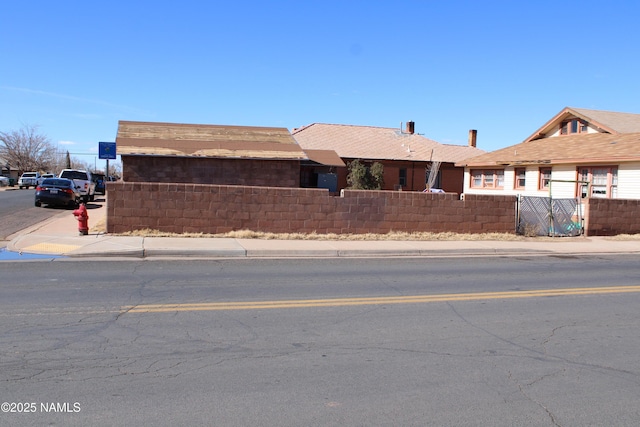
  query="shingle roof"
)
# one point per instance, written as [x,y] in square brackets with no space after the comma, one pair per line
[605,121]
[580,148]
[194,140]
[377,143]
[619,122]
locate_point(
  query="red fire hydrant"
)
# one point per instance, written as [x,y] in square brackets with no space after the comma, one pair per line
[83,219]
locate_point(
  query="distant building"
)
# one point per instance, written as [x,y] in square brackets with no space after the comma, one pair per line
[405,155]
[208,154]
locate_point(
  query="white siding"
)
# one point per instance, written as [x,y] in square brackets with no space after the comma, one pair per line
[629,181]
[532,179]
[564,190]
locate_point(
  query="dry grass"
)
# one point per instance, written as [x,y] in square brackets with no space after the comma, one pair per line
[398,236]
[99,227]
[248,234]
[625,237]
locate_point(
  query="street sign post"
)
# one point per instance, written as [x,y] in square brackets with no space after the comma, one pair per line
[107,150]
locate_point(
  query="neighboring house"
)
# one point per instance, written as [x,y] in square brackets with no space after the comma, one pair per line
[405,155]
[579,152]
[7,171]
[208,154]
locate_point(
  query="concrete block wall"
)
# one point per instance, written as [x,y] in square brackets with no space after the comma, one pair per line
[272,173]
[200,208]
[610,217]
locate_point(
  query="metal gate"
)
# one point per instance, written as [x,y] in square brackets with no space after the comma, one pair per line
[545,216]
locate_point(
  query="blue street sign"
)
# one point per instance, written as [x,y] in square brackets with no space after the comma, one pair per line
[107,150]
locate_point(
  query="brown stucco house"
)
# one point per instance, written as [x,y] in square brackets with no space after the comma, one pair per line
[209,154]
[405,155]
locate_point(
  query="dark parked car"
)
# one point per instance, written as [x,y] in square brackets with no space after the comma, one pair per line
[98,178]
[57,191]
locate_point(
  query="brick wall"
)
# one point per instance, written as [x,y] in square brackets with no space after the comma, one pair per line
[213,209]
[609,217]
[273,173]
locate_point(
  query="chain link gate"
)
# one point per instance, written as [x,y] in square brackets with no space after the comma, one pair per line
[545,216]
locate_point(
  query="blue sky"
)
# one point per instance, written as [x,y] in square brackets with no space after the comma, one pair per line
[75,68]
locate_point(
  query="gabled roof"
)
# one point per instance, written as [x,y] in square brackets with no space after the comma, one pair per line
[377,143]
[604,121]
[194,140]
[570,149]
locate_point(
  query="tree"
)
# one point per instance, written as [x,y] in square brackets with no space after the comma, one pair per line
[361,177]
[377,173]
[357,176]
[26,149]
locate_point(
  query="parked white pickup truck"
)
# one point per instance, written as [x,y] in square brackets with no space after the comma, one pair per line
[45,176]
[28,179]
[83,181]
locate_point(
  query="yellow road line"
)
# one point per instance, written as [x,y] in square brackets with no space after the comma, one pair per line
[339,302]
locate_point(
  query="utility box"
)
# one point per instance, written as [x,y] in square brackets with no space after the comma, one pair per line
[328,181]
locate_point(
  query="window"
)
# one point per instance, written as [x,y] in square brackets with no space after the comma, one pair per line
[545,178]
[402,177]
[603,179]
[573,126]
[520,180]
[487,178]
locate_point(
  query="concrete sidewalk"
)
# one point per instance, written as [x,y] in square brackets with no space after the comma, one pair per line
[59,236]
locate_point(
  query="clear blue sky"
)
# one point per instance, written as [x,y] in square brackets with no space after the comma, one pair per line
[502,67]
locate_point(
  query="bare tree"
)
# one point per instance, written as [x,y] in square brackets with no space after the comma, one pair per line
[26,149]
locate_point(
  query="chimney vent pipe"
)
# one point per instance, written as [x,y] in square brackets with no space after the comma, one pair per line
[410,128]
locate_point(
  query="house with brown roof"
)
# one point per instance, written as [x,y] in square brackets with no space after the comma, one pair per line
[406,156]
[578,152]
[209,154]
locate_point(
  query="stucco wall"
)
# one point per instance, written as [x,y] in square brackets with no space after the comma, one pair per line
[213,209]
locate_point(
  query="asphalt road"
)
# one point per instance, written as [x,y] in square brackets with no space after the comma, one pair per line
[18,212]
[321,342]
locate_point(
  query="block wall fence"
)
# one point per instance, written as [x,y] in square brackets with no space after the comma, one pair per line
[213,209]
[610,217]
[206,170]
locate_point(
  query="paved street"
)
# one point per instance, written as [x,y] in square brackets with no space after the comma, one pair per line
[476,341]
[18,212]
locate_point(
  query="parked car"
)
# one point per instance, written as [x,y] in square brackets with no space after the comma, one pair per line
[83,181]
[28,179]
[45,176]
[4,181]
[58,192]
[99,179]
